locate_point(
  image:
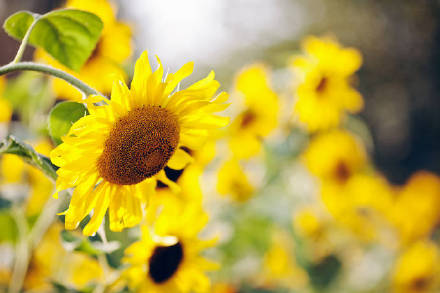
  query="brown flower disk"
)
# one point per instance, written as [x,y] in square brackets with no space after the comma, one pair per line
[139,145]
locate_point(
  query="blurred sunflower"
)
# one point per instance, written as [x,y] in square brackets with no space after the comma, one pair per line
[48,263]
[279,265]
[168,259]
[335,156]
[260,114]
[115,155]
[417,269]
[233,181]
[415,210]
[324,92]
[356,197]
[41,187]
[112,49]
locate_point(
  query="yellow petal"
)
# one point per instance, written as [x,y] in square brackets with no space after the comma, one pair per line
[179,160]
[103,199]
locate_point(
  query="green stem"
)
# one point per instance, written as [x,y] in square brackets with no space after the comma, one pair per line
[25,40]
[31,66]
[22,253]
[12,146]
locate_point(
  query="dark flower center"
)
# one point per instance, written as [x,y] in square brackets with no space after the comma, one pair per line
[248,117]
[420,284]
[139,145]
[164,262]
[322,85]
[342,171]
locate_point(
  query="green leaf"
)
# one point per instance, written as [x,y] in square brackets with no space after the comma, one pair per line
[68,35]
[10,145]
[61,118]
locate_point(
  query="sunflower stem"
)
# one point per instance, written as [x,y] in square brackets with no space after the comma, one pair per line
[32,66]
[25,40]
[22,252]
[10,145]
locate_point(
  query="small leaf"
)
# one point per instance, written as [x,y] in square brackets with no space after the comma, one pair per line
[61,118]
[68,35]
[18,23]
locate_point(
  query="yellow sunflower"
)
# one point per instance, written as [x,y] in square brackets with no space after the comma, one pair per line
[233,181]
[280,268]
[323,92]
[335,156]
[356,197]
[417,269]
[167,259]
[260,114]
[114,156]
[112,49]
[415,210]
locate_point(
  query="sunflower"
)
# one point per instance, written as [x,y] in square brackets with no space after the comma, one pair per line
[48,263]
[259,116]
[324,92]
[417,269]
[167,258]
[112,49]
[280,268]
[114,156]
[233,181]
[357,198]
[419,198]
[335,156]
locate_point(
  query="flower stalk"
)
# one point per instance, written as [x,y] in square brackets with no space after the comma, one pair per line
[32,66]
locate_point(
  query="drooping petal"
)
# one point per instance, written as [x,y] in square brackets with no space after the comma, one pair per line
[179,160]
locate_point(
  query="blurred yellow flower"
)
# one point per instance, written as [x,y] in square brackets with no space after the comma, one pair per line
[308,224]
[416,208]
[104,64]
[50,261]
[12,169]
[359,205]
[279,265]
[167,259]
[260,114]
[324,92]
[224,288]
[335,156]
[83,270]
[41,187]
[5,105]
[233,181]
[114,156]
[417,269]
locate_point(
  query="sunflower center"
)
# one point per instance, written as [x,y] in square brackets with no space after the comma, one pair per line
[164,262]
[420,284]
[342,171]
[322,85]
[248,118]
[139,145]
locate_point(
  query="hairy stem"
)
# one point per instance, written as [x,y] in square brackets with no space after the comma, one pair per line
[32,66]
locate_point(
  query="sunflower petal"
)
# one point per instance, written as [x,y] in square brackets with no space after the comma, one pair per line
[179,160]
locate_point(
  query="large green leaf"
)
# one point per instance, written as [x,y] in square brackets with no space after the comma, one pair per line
[61,118]
[68,35]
